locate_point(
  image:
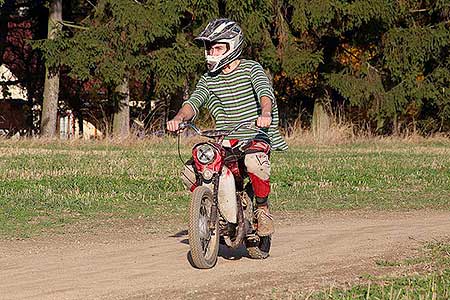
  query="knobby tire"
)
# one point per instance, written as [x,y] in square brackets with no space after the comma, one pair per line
[204,251]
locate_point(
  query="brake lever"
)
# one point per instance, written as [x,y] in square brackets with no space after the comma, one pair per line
[183,125]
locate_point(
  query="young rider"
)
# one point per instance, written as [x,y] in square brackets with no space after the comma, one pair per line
[234,91]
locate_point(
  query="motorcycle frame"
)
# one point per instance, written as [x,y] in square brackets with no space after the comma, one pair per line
[216,166]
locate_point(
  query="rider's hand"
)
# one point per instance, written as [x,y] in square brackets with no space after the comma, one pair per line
[174,124]
[264,121]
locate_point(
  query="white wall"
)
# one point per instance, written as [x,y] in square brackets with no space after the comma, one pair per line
[17,91]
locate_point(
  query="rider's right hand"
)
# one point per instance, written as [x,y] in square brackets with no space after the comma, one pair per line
[174,124]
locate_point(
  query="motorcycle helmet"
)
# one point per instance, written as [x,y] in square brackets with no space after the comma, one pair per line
[222,31]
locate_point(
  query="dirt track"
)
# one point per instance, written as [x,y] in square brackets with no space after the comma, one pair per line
[308,252]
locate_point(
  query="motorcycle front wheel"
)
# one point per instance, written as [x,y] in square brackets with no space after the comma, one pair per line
[203,238]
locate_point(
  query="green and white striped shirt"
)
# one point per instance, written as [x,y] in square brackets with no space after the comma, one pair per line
[234,98]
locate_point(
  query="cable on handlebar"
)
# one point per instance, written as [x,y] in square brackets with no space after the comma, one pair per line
[182,161]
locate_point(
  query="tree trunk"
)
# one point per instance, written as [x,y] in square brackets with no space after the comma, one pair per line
[396,125]
[51,85]
[80,125]
[320,121]
[121,122]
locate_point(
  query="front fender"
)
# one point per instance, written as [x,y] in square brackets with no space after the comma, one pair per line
[227,196]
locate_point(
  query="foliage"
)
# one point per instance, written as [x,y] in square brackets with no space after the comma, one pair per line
[111,42]
[21,21]
[386,59]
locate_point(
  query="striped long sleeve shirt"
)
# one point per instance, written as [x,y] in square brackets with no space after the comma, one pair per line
[234,98]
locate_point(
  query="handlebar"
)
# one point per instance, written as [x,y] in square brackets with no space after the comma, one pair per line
[217,135]
[221,133]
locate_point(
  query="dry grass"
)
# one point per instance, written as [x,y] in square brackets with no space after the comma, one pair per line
[344,133]
[339,132]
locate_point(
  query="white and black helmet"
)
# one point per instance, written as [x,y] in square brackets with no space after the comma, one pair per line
[222,31]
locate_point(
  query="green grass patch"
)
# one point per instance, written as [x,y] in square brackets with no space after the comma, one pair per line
[48,184]
[52,184]
[370,176]
[432,284]
[433,287]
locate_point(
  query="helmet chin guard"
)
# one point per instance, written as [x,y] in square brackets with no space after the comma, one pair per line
[222,31]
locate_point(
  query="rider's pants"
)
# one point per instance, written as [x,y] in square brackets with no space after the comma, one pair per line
[256,159]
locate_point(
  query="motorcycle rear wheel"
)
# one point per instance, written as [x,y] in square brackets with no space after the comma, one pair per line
[203,241]
[261,249]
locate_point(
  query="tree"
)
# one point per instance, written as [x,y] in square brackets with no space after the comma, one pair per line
[51,86]
[118,42]
[21,21]
[383,62]
[121,119]
[386,59]
[417,69]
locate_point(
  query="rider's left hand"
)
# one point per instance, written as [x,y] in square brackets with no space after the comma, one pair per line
[264,121]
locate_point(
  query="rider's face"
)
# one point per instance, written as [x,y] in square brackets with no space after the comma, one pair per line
[216,49]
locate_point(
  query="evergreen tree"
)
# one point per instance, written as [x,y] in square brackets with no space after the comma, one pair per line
[116,43]
[388,59]
[385,62]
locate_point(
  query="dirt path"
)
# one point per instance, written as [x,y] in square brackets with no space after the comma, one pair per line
[308,252]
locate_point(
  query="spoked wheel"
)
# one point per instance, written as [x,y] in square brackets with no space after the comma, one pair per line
[259,249]
[203,240]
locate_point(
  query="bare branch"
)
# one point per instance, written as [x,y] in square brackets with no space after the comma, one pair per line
[70,24]
[90,3]
[372,67]
[419,10]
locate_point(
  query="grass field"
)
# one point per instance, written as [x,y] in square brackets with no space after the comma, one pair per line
[431,282]
[46,184]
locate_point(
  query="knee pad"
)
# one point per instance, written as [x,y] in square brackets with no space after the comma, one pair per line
[258,164]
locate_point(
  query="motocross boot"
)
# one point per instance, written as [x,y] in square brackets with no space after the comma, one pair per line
[265,221]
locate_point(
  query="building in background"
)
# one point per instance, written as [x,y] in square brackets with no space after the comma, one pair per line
[14,109]
[69,128]
[15,112]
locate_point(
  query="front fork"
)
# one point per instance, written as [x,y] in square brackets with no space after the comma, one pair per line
[214,210]
[241,229]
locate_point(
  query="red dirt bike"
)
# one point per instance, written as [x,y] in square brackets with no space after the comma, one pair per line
[221,207]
